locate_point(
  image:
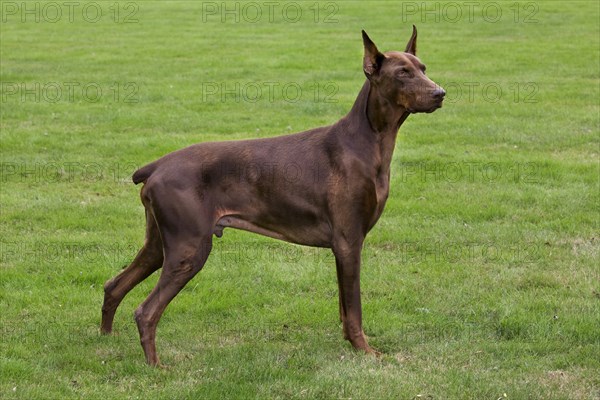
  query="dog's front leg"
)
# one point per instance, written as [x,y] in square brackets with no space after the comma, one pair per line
[347,259]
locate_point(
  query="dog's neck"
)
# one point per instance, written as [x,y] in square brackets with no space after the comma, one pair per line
[385,118]
[377,121]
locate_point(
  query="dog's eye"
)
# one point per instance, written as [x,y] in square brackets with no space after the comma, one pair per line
[402,72]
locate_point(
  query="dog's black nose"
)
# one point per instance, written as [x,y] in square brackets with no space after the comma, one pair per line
[439,92]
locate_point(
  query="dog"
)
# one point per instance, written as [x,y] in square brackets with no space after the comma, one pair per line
[340,187]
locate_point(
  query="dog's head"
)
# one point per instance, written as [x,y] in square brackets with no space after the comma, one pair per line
[400,77]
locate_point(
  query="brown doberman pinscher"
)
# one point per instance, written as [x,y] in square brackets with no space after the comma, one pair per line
[325,187]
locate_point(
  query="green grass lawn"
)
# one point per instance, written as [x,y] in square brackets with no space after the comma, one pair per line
[480,281]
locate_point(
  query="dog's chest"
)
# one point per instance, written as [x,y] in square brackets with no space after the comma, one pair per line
[382,187]
[382,191]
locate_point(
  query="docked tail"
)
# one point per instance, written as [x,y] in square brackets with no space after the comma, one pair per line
[143,173]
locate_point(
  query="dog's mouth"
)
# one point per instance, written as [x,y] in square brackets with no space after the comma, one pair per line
[435,107]
[426,110]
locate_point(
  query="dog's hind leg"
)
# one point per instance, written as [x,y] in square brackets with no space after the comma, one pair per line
[148,260]
[186,228]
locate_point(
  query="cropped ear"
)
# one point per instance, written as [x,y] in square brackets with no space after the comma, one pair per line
[373,58]
[411,47]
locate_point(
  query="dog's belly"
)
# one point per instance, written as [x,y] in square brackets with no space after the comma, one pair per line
[316,235]
[293,210]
